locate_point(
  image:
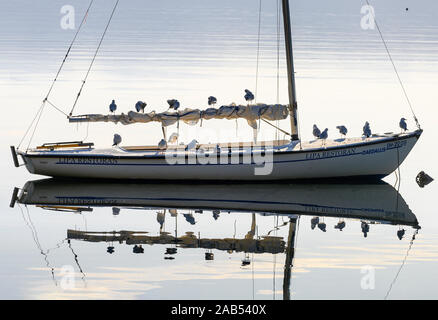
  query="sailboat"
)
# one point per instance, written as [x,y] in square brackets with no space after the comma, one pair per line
[370,156]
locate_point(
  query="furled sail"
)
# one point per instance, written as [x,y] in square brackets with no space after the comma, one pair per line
[251,113]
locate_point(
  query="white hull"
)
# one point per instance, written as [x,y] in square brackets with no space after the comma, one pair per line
[374,157]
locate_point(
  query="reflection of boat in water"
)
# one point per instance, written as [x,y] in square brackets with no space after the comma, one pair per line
[372,201]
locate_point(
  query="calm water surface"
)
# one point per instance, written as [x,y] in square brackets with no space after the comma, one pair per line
[190,50]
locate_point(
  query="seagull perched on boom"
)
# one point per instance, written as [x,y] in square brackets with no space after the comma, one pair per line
[403,124]
[113,106]
[316,131]
[173,104]
[140,106]
[211,100]
[342,130]
[117,140]
[248,96]
[367,130]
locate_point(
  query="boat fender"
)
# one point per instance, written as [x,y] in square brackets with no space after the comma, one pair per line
[14,157]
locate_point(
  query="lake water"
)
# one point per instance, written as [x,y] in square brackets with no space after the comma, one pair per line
[189,50]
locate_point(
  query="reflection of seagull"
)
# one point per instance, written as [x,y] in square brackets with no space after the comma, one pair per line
[116,211]
[367,130]
[403,124]
[113,106]
[314,222]
[401,233]
[189,218]
[342,130]
[322,226]
[316,131]
[117,140]
[248,96]
[365,228]
[160,218]
[340,225]
[173,104]
[140,105]
[211,100]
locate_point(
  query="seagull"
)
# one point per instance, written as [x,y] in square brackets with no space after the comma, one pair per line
[342,130]
[366,130]
[117,140]
[324,135]
[140,105]
[113,106]
[211,100]
[173,104]
[248,96]
[173,137]
[403,124]
[316,131]
[192,144]
[162,144]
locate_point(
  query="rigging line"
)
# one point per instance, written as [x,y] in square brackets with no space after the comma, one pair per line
[56,77]
[402,265]
[31,124]
[94,57]
[76,260]
[278,61]
[258,50]
[56,108]
[36,125]
[395,68]
[69,49]
[31,226]
[285,132]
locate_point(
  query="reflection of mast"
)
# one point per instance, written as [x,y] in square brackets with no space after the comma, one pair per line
[290,251]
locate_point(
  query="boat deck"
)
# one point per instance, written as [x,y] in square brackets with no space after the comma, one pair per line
[276,146]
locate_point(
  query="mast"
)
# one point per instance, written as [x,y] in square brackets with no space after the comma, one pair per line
[290,71]
[290,252]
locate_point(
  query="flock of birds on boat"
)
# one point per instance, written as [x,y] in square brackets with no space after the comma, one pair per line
[174,104]
[249,97]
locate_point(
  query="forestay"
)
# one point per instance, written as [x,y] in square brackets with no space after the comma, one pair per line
[251,113]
